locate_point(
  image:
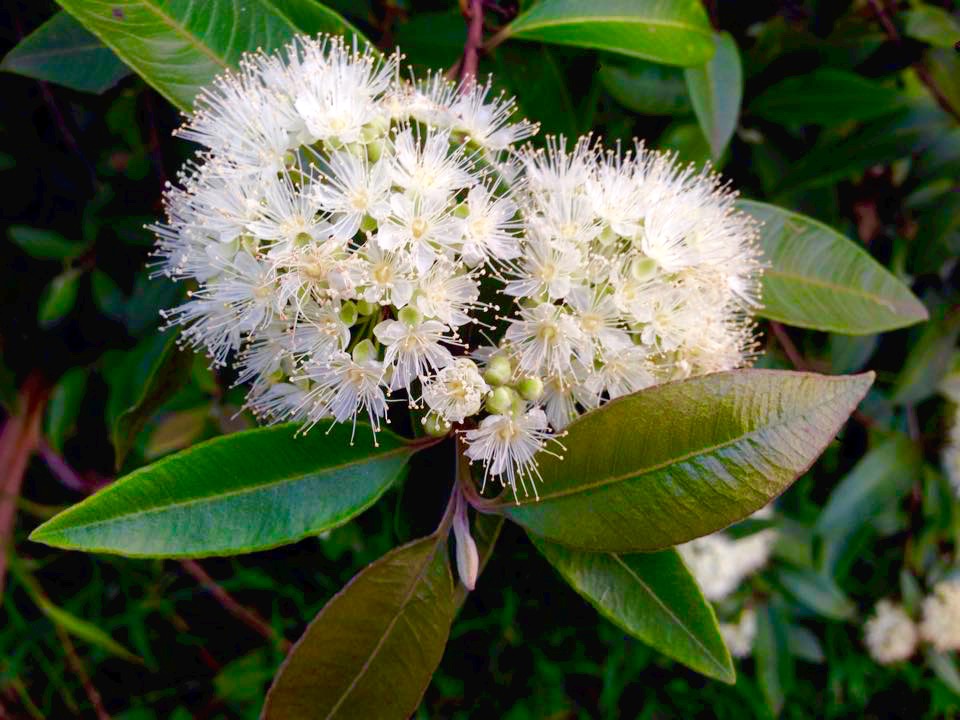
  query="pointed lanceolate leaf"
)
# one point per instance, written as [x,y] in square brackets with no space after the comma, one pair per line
[653,597]
[372,650]
[673,32]
[716,89]
[671,463]
[62,51]
[816,278]
[179,47]
[238,493]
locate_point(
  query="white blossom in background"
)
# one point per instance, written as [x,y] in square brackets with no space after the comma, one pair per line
[337,223]
[940,625]
[720,563]
[890,635]
[739,636]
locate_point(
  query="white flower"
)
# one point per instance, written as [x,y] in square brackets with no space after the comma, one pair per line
[890,635]
[423,227]
[739,636]
[546,341]
[387,277]
[720,563]
[356,188]
[941,616]
[456,392]
[425,166]
[485,121]
[343,386]
[446,294]
[507,446]
[489,230]
[413,349]
[547,268]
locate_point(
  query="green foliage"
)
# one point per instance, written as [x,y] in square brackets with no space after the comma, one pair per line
[736,441]
[716,90]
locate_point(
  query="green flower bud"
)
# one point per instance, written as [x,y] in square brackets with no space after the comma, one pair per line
[365,308]
[608,235]
[643,268]
[348,313]
[518,405]
[530,388]
[410,316]
[363,351]
[501,400]
[435,426]
[498,371]
[303,238]
[461,211]
[374,150]
[368,224]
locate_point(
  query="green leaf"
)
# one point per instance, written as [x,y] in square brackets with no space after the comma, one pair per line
[179,47]
[84,630]
[688,141]
[533,75]
[933,25]
[736,440]
[432,40]
[63,407]
[850,353]
[62,51]
[816,278]
[772,653]
[45,244]
[819,593]
[882,142]
[826,97]
[646,88]
[247,491]
[716,89]
[58,297]
[673,32]
[166,368]
[944,667]
[371,651]
[804,644]
[931,353]
[651,596]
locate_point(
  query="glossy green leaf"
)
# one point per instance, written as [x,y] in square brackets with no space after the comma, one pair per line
[58,297]
[716,90]
[372,650]
[673,32]
[804,644]
[534,76]
[432,40]
[819,593]
[824,97]
[687,140]
[651,596]
[817,278]
[933,25]
[736,440]
[179,47]
[63,407]
[930,357]
[62,51]
[646,88]
[850,353]
[881,142]
[44,244]
[165,369]
[237,493]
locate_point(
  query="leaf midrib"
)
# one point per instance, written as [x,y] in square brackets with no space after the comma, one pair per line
[232,493]
[597,20]
[724,670]
[388,630]
[855,292]
[576,490]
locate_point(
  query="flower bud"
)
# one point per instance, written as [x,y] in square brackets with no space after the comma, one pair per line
[435,426]
[364,351]
[461,211]
[410,316]
[643,268]
[368,224]
[530,388]
[374,150]
[468,559]
[365,308]
[348,313]
[500,401]
[498,370]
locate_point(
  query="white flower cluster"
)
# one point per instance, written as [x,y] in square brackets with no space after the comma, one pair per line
[739,636]
[720,563]
[890,634]
[339,221]
[634,270]
[337,226]
[940,625]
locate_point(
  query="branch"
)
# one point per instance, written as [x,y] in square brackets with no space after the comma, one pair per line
[471,51]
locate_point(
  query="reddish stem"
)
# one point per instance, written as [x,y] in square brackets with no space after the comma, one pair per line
[471,51]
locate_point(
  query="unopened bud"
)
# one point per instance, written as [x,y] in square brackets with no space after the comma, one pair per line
[368,223]
[348,313]
[435,426]
[364,351]
[410,316]
[468,559]
[498,371]
[643,268]
[500,401]
[530,388]
[365,307]
[461,211]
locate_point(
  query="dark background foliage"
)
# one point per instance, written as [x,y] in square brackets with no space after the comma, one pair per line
[79,327]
